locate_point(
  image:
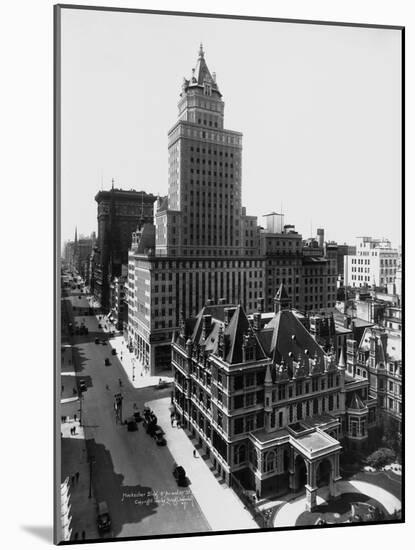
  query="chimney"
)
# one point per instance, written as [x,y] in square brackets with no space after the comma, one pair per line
[207,322]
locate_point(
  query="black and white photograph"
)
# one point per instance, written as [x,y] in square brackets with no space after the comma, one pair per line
[229,274]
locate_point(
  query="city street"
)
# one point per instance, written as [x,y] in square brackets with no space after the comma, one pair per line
[129,471]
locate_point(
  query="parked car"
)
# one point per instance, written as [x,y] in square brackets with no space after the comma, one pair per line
[107,362]
[162,384]
[138,416]
[179,474]
[114,351]
[369,469]
[158,435]
[131,424]
[103,517]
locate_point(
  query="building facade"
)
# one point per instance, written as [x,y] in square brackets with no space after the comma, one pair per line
[119,214]
[375,263]
[378,358]
[267,405]
[203,245]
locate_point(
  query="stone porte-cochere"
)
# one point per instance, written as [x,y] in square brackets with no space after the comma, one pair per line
[307,460]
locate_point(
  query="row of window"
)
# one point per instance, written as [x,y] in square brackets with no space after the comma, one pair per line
[210,151]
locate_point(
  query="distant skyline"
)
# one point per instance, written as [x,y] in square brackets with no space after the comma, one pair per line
[319,108]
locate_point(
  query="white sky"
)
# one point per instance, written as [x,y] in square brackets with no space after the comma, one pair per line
[319,107]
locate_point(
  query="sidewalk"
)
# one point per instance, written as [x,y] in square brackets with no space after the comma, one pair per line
[220,505]
[132,366]
[74,459]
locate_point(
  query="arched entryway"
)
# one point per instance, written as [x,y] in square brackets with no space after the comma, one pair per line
[300,473]
[323,473]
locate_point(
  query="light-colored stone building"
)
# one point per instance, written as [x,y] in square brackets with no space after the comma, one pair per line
[375,263]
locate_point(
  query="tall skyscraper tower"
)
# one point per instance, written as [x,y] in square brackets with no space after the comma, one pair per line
[204,247]
[202,214]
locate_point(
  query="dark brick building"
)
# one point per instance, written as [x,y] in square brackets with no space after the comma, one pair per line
[120,212]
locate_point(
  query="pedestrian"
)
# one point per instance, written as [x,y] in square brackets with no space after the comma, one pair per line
[194,453]
[83,535]
[107,387]
[77,476]
[72,480]
[74,417]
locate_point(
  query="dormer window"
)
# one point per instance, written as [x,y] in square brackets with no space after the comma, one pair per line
[249,353]
[207,89]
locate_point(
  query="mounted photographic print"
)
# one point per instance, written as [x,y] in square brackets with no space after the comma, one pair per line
[229,296]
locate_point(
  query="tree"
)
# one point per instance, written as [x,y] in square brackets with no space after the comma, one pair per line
[380,458]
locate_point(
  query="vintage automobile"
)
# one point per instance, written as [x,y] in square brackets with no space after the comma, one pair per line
[158,435]
[131,424]
[179,474]
[103,517]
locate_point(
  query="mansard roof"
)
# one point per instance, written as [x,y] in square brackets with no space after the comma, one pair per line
[234,332]
[388,345]
[282,295]
[290,338]
[356,402]
[201,73]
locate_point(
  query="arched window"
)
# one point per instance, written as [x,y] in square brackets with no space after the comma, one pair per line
[239,454]
[253,459]
[270,461]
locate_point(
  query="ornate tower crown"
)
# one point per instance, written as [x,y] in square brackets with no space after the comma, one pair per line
[201,77]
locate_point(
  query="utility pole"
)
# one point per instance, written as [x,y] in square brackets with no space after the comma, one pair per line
[91,461]
[81,397]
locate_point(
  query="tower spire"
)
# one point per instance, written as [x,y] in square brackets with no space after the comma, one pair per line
[76,234]
[201,52]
